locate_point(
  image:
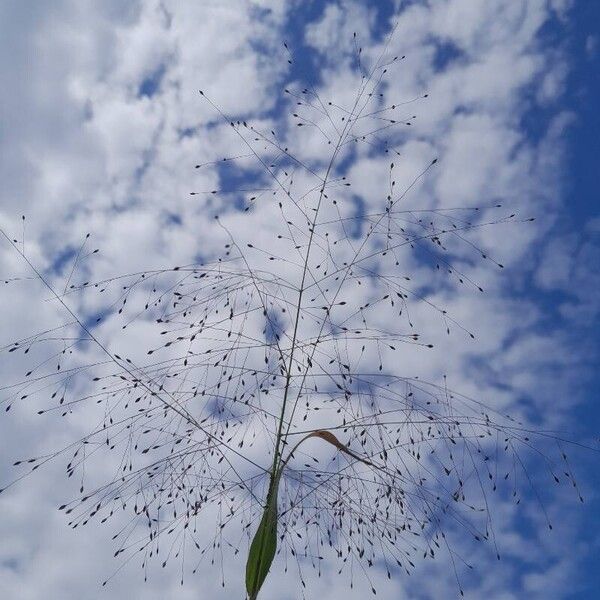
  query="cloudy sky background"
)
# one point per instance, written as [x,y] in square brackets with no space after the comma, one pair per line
[101,127]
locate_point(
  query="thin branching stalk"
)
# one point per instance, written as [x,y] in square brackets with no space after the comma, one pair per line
[265,404]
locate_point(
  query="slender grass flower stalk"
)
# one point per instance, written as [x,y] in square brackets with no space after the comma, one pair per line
[261,398]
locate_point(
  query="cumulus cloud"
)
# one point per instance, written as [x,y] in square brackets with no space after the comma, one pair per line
[101,130]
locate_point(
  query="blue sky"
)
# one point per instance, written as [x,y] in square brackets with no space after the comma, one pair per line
[582,181]
[583,95]
[102,126]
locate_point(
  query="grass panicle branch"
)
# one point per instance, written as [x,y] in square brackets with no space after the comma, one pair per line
[209,388]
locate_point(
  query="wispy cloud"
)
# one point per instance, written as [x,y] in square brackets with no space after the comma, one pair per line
[102,127]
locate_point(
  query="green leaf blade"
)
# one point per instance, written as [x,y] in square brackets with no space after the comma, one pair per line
[264,545]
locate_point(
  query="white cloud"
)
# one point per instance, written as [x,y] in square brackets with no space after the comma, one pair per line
[88,153]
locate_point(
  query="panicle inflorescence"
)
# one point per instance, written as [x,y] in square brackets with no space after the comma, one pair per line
[284,351]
